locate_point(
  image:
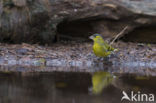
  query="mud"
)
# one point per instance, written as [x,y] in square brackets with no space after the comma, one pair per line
[78,57]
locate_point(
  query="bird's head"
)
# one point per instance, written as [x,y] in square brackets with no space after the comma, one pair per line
[95,37]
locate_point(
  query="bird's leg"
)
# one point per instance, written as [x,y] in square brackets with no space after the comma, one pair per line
[103,58]
[106,59]
[99,58]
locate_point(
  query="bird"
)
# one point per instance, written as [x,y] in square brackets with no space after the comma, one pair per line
[100,47]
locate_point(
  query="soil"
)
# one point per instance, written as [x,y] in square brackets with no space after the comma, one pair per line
[78,57]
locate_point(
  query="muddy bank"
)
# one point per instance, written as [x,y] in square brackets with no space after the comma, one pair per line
[73,56]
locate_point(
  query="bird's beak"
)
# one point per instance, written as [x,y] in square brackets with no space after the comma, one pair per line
[91,37]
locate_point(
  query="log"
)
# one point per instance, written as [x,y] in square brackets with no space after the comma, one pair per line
[38,21]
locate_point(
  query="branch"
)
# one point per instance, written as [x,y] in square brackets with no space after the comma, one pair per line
[117,36]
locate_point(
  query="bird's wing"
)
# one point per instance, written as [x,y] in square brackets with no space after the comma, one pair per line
[107,46]
[103,47]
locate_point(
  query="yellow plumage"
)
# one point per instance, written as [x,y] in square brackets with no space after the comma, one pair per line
[100,80]
[100,47]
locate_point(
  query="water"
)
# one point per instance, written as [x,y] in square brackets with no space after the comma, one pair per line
[71,87]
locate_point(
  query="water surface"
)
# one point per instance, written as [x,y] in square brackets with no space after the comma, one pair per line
[71,87]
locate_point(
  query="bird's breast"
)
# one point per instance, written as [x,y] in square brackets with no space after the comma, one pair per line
[98,51]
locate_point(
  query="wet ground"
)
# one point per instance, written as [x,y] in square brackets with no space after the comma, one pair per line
[69,72]
[73,87]
[78,57]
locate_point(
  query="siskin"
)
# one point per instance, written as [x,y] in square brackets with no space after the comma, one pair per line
[100,47]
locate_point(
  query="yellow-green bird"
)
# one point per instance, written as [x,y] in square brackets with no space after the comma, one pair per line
[100,47]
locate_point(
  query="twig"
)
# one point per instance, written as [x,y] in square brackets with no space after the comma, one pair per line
[117,36]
